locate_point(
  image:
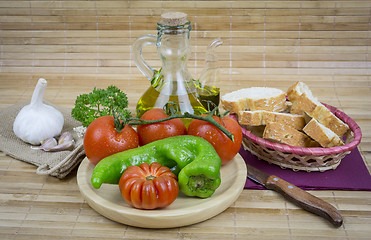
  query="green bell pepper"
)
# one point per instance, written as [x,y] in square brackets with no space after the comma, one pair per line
[193,159]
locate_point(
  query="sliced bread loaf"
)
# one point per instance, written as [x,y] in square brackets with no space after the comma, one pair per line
[296,90]
[281,133]
[316,110]
[251,118]
[304,104]
[255,98]
[262,117]
[321,134]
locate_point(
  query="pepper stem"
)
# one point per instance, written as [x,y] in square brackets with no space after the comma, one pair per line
[199,183]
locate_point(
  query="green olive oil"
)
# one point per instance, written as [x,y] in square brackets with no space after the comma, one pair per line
[209,96]
[153,98]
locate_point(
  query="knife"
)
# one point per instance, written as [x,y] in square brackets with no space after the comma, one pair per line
[296,195]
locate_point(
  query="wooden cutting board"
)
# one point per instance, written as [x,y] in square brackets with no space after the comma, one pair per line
[108,201]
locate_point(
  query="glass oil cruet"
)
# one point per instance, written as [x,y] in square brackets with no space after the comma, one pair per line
[208,85]
[172,82]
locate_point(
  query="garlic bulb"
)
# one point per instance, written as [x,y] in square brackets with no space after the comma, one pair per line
[37,121]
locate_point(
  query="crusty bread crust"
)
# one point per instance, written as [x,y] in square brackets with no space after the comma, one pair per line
[292,120]
[324,136]
[303,104]
[318,111]
[251,118]
[329,120]
[262,117]
[234,106]
[285,134]
[274,104]
[295,91]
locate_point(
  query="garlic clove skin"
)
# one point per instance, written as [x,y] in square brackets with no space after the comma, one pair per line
[47,144]
[38,121]
[66,145]
[65,142]
[65,137]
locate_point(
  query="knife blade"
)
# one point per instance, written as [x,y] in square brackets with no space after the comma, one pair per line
[296,195]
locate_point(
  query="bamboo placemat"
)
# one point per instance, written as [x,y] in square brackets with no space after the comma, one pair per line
[77,45]
[270,43]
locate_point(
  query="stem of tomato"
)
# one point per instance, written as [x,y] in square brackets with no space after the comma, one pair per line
[119,125]
[209,118]
[150,177]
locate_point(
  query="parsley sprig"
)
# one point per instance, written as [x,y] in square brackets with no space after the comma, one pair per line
[100,102]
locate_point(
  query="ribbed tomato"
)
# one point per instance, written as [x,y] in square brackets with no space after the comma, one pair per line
[149,186]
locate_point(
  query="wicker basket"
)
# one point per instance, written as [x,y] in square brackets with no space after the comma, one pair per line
[305,159]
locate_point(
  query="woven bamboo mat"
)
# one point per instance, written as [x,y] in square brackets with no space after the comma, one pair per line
[77,45]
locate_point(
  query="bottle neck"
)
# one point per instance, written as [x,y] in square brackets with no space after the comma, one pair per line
[173,30]
[174,46]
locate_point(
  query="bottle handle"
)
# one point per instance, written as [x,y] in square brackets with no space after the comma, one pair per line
[142,65]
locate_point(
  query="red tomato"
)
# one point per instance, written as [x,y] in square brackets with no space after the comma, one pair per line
[156,131]
[148,186]
[226,148]
[102,140]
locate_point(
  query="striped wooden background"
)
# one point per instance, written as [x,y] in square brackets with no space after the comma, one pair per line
[77,45]
[272,43]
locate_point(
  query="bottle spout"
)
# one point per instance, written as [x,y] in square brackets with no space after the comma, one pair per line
[208,88]
[210,52]
[209,73]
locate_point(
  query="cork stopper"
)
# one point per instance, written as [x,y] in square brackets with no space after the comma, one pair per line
[174,19]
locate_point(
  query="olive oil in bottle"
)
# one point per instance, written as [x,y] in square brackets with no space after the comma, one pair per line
[152,98]
[209,96]
[208,90]
[173,82]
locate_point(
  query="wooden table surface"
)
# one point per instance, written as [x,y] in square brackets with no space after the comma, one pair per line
[79,45]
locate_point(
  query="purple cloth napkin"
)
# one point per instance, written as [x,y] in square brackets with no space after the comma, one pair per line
[351,174]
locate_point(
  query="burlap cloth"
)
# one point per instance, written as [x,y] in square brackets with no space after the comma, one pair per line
[57,164]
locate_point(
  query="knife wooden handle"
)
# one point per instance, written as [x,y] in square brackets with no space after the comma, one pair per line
[305,200]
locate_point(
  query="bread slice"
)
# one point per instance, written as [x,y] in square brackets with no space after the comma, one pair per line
[262,117]
[316,110]
[251,118]
[304,104]
[296,90]
[329,120]
[321,134]
[254,98]
[278,132]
